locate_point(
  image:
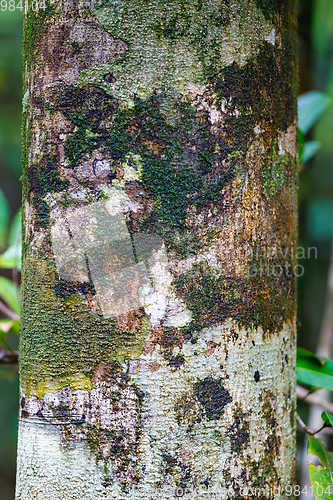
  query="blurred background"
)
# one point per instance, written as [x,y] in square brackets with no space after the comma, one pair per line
[315,198]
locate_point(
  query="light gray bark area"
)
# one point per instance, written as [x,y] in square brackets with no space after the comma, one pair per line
[214,455]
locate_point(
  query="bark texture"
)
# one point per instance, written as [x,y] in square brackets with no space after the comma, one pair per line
[157,354]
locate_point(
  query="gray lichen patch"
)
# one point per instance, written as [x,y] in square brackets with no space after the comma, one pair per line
[106,418]
[178,44]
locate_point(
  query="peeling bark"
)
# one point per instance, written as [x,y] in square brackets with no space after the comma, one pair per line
[157,354]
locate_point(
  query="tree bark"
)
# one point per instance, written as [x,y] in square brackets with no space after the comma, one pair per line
[157,351]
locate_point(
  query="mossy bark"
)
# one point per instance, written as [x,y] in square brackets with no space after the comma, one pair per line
[157,354]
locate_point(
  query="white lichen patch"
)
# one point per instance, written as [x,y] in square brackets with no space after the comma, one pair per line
[128,271]
[132,169]
[271,37]
[287,141]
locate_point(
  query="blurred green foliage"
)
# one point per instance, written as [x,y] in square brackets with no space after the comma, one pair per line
[311,106]
[321,476]
[10,172]
[10,108]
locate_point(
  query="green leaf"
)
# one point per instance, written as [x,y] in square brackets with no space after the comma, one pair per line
[4,218]
[327,418]
[8,292]
[310,107]
[315,379]
[5,326]
[15,229]
[314,371]
[310,148]
[11,258]
[305,354]
[15,327]
[320,218]
[301,142]
[321,477]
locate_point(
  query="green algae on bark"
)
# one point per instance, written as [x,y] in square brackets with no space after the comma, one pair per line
[62,336]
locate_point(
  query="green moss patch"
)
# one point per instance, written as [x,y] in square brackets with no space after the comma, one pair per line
[61,336]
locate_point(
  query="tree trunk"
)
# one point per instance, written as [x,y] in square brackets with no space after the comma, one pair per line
[157,354]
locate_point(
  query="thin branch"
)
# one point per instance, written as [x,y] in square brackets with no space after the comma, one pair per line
[9,358]
[303,427]
[306,428]
[312,399]
[11,314]
[323,431]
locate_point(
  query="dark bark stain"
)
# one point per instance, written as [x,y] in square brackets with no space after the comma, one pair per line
[213,397]
[174,361]
[239,432]
[172,466]
[271,8]
[262,300]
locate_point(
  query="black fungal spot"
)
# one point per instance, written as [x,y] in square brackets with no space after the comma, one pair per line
[213,397]
[257,376]
[109,78]
[174,361]
[206,482]
[187,336]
